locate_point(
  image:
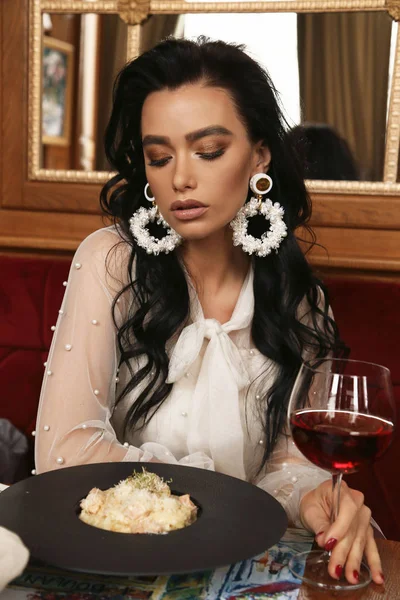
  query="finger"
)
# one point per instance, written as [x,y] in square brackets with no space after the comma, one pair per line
[341,551]
[354,558]
[351,502]
[373,558]
[313,516]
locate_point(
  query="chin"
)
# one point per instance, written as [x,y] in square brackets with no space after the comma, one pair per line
[199,229]
[192,230]
[199,232]
[193,235]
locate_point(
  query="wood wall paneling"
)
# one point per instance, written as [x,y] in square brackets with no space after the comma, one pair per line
[46,230]
[369,249]
[14,43]
[358,212]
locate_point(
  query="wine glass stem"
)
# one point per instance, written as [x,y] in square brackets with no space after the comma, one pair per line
[336,481]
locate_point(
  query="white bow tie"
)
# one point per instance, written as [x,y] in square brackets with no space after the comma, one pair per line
[220,348]
[222,376]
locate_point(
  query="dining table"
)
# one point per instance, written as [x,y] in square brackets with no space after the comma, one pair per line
[390,555]
[269,579]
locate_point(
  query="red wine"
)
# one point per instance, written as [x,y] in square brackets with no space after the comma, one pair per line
[340,440]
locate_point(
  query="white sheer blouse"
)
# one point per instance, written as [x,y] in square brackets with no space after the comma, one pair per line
[211,417]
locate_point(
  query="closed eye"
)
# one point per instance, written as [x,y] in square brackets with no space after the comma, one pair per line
[159,163]
[211,155]
[204,155]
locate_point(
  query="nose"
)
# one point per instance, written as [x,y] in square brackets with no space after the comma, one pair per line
[183,177]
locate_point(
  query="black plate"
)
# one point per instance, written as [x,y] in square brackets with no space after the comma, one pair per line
[236,521]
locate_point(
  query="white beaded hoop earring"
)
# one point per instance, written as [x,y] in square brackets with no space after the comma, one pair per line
[260,184]
[144,216]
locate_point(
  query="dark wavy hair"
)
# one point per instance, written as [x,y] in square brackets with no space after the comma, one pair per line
[324,153]
[282,280]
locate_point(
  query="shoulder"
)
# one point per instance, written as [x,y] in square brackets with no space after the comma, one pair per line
[101,241]
[106,251]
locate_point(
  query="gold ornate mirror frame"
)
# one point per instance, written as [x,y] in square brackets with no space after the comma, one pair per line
[134,12]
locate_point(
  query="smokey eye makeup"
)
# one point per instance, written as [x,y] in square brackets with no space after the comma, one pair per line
[208,153]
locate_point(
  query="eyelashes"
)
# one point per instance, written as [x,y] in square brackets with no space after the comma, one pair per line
[211,155]
[203,155]
[158,163]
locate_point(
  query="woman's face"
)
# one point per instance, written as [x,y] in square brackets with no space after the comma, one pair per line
[198,158]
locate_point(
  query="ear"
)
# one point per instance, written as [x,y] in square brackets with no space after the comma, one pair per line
[261,158]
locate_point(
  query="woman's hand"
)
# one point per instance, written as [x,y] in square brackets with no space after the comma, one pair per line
[349,537]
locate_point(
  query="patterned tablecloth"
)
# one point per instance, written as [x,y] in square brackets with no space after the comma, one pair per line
[264,576]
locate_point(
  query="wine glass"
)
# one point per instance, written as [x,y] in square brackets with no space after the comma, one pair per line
[341,415]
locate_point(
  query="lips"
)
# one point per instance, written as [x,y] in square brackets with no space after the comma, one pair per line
[186,205]
[188,210]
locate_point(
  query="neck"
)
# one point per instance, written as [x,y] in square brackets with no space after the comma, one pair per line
[214,261]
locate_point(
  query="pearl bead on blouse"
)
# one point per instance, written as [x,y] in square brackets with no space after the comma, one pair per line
[60,312]
[33,433]
[33,471]
[46,427]
[251,353]
[65,283]
[84,426]
[77,266]
[184,413]
[126,444]
[60,460]
[53,327]
[68,347]
[49,372]
[96,392]
[94,322]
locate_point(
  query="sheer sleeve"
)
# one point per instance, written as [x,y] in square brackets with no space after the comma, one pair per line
[289,474]
[78,391]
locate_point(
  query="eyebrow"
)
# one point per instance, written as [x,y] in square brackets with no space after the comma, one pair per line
[190,137]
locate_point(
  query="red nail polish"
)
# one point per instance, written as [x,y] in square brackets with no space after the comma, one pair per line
[320,533]
[339,571]
[356,575]
[330,544]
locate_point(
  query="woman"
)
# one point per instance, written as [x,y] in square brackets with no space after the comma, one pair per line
[183,345]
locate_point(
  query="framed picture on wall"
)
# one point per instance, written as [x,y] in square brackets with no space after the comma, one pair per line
[57,82]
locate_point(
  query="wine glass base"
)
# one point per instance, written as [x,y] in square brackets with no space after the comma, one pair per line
[312,568]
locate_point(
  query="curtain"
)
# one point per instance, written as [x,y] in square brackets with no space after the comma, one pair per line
[343,68]
[112,57]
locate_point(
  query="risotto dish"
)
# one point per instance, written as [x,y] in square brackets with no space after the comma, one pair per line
[142,503]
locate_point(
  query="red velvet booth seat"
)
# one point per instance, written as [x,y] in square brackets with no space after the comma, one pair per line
[31,290]
[368,315]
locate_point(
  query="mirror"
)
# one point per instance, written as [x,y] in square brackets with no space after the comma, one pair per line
[81,56]
[337,74]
